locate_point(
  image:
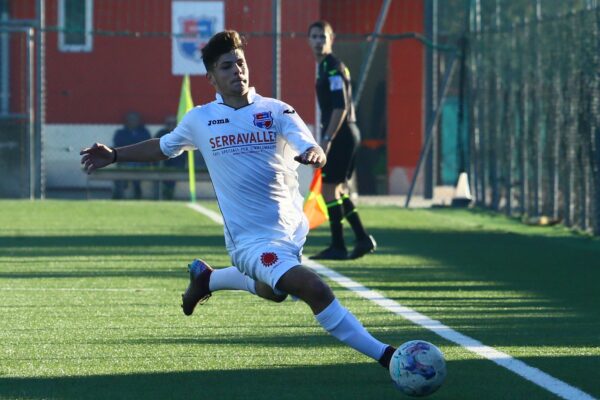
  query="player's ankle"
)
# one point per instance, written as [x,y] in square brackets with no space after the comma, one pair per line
[386,357]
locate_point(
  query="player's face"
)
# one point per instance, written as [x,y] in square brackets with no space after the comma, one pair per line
[320,41]
[230,74]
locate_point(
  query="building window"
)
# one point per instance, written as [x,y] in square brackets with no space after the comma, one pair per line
[75,23]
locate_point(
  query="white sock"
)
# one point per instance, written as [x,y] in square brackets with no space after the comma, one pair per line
[344,326]
[230,278]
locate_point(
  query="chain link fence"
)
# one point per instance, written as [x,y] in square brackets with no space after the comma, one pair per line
[529,93]
[16,115]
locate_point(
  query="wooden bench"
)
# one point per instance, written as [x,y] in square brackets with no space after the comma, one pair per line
[142,174]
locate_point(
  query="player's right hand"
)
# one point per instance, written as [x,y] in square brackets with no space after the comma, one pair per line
[313,156]
[95,157]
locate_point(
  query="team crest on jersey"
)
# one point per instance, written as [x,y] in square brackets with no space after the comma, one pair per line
[263,120]
[268,258]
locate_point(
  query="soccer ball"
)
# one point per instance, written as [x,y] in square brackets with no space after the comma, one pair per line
[418,368]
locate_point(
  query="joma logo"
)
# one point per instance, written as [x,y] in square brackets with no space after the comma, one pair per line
[218,121]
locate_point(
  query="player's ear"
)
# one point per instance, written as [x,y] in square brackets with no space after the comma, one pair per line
[331,34]
[211,78]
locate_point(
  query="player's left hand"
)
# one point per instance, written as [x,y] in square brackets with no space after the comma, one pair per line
[313,156]
[95,157]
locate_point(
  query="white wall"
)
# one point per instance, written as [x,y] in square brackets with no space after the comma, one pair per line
[62,143]
[63,168]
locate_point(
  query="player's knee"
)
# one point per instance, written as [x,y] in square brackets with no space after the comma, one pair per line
[305,284]
[317,291]
[278,298]
[266,292]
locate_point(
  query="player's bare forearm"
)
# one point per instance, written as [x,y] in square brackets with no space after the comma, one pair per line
[146,151]
[314,156]
[100,155]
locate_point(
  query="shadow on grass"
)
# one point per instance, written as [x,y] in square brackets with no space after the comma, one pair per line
[275,383]
[566,269]
[98,273]
[113,241]
[500,287]
[466,380]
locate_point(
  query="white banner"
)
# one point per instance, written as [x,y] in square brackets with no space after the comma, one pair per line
[193,24]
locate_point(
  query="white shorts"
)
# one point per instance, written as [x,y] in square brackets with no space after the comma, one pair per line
[267,261]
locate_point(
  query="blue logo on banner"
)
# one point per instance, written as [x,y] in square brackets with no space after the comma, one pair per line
[194,34]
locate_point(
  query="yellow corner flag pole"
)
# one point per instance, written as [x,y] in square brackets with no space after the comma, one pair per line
[186,104]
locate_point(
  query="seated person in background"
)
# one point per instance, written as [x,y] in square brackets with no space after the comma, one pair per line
[133,131]
[168,187]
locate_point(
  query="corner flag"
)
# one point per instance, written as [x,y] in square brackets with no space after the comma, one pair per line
[186,104]
[315,208]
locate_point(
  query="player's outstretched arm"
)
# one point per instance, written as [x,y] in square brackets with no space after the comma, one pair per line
[314,156]
[100,155]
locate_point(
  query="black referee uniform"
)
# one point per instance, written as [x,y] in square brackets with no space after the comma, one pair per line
[334,90]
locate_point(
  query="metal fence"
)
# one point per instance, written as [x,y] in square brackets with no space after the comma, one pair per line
[528,88]
[17,119]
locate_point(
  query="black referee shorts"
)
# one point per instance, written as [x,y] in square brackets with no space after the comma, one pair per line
[340,159]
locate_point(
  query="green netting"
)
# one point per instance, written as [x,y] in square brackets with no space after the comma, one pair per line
[532,99]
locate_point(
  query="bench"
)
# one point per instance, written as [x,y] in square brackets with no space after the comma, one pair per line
[152,174]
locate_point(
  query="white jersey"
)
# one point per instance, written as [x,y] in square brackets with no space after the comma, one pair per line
[249,154]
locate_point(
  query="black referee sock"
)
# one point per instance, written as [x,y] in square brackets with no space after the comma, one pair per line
[334,208]
[351,215]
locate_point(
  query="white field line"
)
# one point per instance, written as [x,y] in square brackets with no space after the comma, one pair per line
[534,375]
[213,216]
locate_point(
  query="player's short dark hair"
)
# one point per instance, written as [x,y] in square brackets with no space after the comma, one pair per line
[322,24]
[221,43]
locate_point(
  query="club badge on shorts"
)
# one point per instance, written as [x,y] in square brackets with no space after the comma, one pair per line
[268,259]
[263,120]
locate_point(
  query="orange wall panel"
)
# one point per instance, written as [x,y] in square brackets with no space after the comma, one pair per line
[405,87]
[405,103]
[125,72]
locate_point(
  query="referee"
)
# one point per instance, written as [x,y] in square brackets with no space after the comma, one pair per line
[340,140]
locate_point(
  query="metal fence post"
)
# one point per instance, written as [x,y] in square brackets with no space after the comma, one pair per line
[30,112]
[40,10]
[276,11]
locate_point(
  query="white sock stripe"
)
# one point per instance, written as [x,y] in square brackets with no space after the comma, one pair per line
[534,375]
[332,315]
[343,325]
[229,278]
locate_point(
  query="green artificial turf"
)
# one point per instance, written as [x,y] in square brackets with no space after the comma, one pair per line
[90,295]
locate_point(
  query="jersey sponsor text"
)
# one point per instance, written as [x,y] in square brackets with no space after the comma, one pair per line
[259,137]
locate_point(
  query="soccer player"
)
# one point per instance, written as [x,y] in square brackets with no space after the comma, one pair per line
[251,145]
[340,139]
